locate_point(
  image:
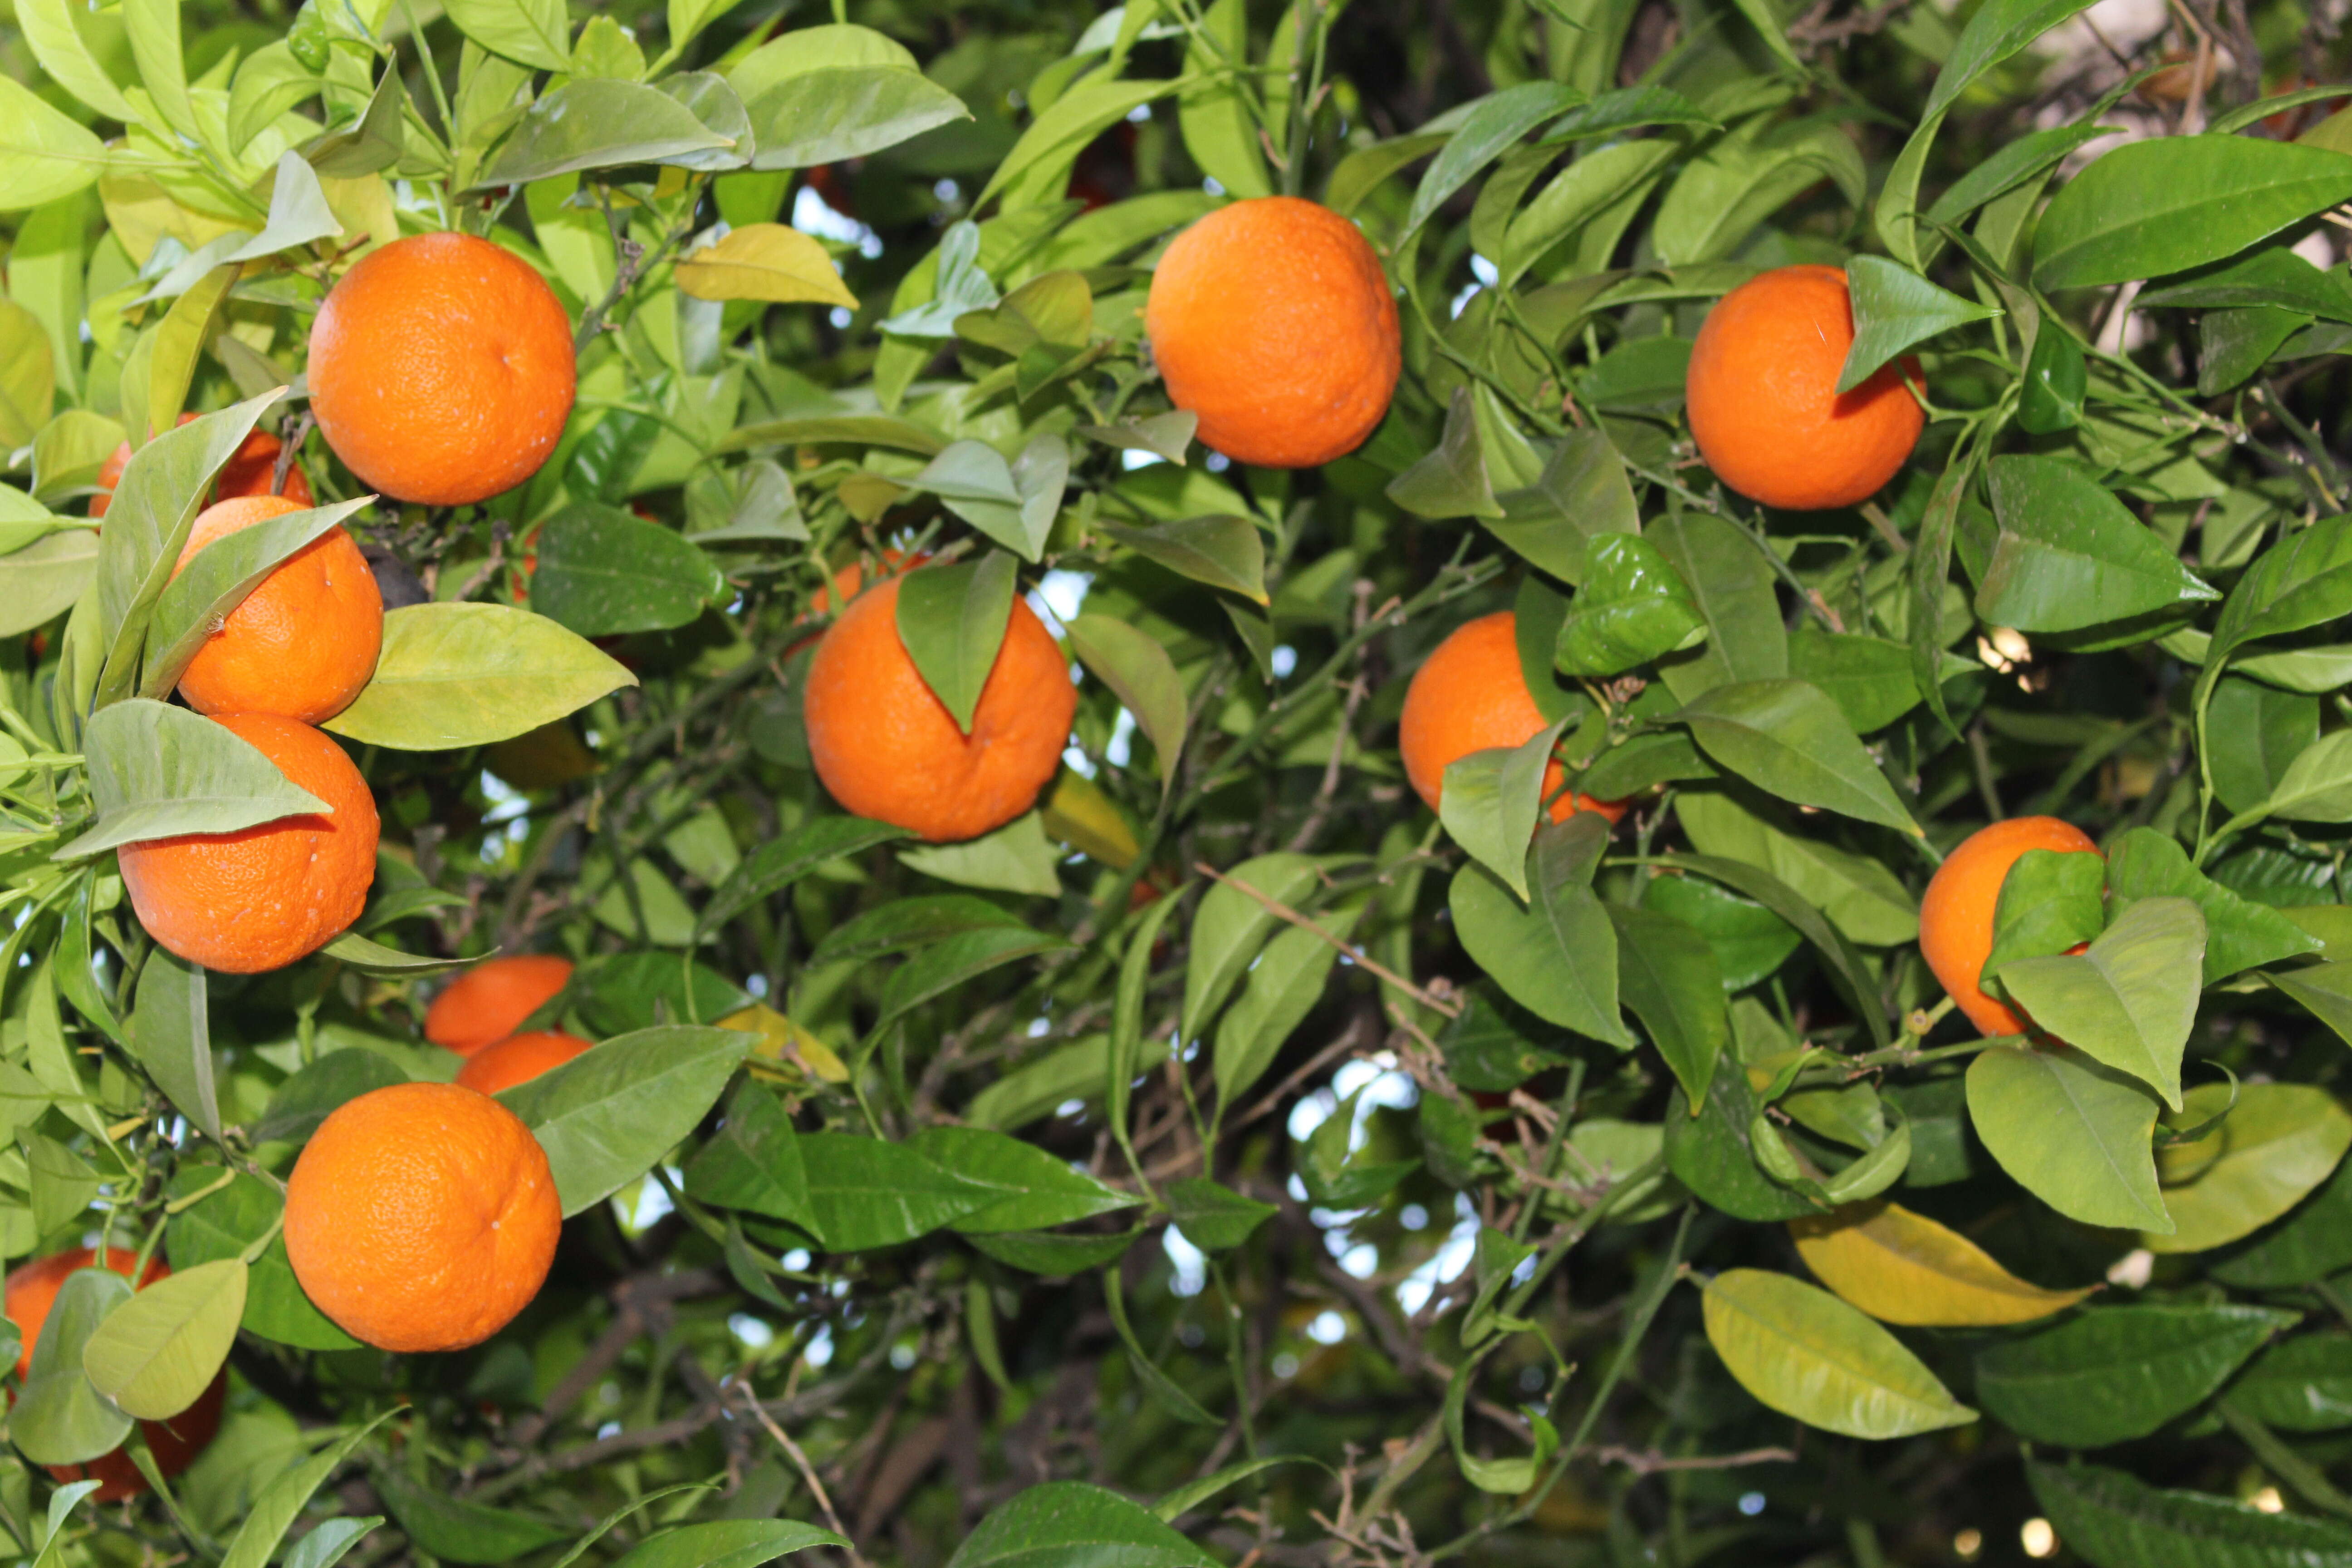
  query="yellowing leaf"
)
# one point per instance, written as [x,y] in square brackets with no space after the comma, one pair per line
[781,1039]
[1807,1354]
[1904,1267]
[1081,816]
[764,262]
[2280,1140]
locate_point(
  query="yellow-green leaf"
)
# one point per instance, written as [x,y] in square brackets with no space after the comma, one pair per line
[764,262]
[154,1354]
[2278,1142]
[1807,1354]
[1904,1267]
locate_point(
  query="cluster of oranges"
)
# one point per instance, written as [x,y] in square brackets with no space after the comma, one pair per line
[422,1216]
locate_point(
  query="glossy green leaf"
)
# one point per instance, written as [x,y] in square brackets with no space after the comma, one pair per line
[156,770]
[2238,933]
[2050,399]
[728,1543]
[2131,1000]
[60,1418]
[1035,1191]
[1667,974]
[1223,552]
[2148,208]
[226,1223]
[952,620]
[1281,989]
[1492,800]
[2068,555]
[869,1194]
[2106,1374]
[607,1114]
[2302,1384]
[602,571]
[460,675]
[1137,669]
[2073,1131]
[1894,309]
[2114,1520]
[1071,1524]
[754,1163]
[1214,1218]
[1628,608]
[1789,738]
[1230,928]
[1557,954]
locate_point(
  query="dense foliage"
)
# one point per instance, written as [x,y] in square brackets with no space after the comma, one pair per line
[1228,1161]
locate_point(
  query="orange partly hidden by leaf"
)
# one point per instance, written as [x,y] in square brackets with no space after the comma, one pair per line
[1272,321]
[1956,914]
[1764,403]
[441,369]
[489,1001]
[422,1217]
[260,898]
[32,1291]
[887,748]
[250,471]
[518,1059]
[304,642]
[1471,696]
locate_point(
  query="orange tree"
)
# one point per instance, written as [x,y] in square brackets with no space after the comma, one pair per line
[1587,803]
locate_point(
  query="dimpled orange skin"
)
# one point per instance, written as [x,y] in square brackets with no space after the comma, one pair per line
[422,1217]
[1956,915]
[441,369]
[489,1001]
[32,1291]
[887,747]
[1764,403]
[1272,321]
[262,898]
[1471,696]
[518,1059]
[304,642]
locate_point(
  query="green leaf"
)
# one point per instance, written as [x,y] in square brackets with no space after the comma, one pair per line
[1895,308]
[1748,940]
[1450,480]
[156,772]
[1223,552]
[373,958]
[1492,799]
[1710,1153]
[952,620]
[754,1163]
[1859,897]
[1490,130]
[1012,503]
[59,47]
[1789,738]
[607,1114]
[1137,669]
[1214,114]
[1070,1524]
[532,32]
[1731,583]
[598,123]
[602,571]
[1283,987]
[1185,1499]
[2072,1132]
[1581,497]
[44,578]
[1805,1354]
[2011,165]
[2302,1384]
[59,1417]
[2114,1520]
[828,115]
[2050,398]
[225,1223]
[780,862]
[2317,785]
[1035,1190]
[49,155]
[831,429]
[2311,1243]
[2277,1143]
[329,1540]
[455,1530]
[728,1543]
[1016,858]
[2148,208]
[2131,1000]
[1080,1070]
[1667,974]
[1164,1390]
[456,675]
[2051,900]
[1557,954]
[2265,730]
[870,1194]
[171,1031]
[904,924]
[1628,608]
[2068,555]
[2238,933]
[2106,1374]
[1053,1256]
[1748,175]
[156,1352]
[1214,1218]
[1230,928]
[216,581]
[2274,276]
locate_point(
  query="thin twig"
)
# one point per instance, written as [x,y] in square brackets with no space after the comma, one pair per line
[1357,955]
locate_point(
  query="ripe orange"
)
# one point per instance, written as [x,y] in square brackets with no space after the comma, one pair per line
[422,1217]
[1271,320]
[887,747]
[263,897]
[1956,915]
[305,640]
[518,1059]
[441,369]
[1764,403]
[32,1291]
[489,1001]
[250,471]
[1471,696]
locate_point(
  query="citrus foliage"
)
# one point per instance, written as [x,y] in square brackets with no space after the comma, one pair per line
[1541,1134]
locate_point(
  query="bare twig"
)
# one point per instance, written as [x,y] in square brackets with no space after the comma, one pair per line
[1354,954]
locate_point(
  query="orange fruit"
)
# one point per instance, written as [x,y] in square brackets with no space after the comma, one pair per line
[518,1058]
[32,1291]
[1956,914]
[304,642]
[422,1217]
[1271,320]
[1471,696]
[1763,398]
[250,471]
[441,369]
[262,897]
[887,747]
[489,1001]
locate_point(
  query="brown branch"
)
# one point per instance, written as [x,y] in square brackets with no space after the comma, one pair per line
[1651,1463]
